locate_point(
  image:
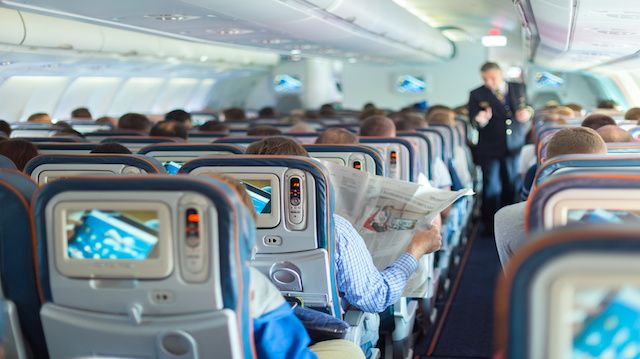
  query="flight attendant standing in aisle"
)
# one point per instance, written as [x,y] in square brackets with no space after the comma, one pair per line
[499,110]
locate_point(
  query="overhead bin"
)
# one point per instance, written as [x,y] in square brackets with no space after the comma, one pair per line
[47,31]
[11,29]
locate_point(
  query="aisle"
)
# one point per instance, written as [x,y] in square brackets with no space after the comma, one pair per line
[467,331]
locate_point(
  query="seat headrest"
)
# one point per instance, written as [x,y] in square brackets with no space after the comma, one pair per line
[585,161]
[7,163]
[185,147]
[374,153]
[148,164]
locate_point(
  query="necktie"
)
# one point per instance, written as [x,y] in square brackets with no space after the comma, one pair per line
[499,95]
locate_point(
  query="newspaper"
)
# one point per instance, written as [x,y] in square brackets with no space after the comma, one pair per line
[387,212]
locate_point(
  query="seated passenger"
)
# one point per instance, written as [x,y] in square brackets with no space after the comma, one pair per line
[180,116]
[597,120]
[40,117]
[407,121]
[81,113]
[577,109]
[169,129]
[134,122]
[107,120]
[614,134]
[327,111]
[111,147]
[66,131]
[378,126]
[633,114]
[263,131]
[277,332]
[5,129]
[301,127]
[214,126]
[509,221]
[234,114]
[372,112]
[19,151]
[362,285]
[267,112]
[337,136]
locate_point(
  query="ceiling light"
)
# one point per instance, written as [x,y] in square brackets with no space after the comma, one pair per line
[204,58]
[494,41]
[295,52]
[352,60]
[171,17]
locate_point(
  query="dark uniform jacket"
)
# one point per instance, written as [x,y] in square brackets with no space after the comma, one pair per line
[503,135]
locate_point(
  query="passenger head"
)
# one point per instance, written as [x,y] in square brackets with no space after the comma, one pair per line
[263,130]
[442,117]
[633,114]
[564,112]
[337,136]
[39,117]
[434,108]
[577,109]
[111,147]
[134,122]
[234,114]
[461,110]
[491,75]
[81,113]
[302,127]
[180,116]
[237,186]
[277,145]
[380,126]
[410,122]
[576,140]
[169,129]
[613,133]
[68,132]
[607,104]
[597,120]
[327,111]
[107,120]
[5,128]
[368,106]
[267,112]
[372,112]
[19,151]
[214,126]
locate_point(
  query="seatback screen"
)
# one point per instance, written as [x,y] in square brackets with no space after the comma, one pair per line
[173,167]
[260,192]
[603,216]
[112,235]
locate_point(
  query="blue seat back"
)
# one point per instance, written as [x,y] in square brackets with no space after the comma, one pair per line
[48,148]
[400,156]
[7,163]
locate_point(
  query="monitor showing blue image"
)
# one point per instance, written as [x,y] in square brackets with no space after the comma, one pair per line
[287,84]
[260,193]
[410,84]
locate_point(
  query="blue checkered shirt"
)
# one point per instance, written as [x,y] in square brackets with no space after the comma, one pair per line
[359,281]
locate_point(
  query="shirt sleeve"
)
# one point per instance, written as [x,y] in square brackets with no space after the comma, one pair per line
[362,285]
[441,175]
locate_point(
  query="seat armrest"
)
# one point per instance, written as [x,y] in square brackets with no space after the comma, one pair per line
[321,326]
[355,319]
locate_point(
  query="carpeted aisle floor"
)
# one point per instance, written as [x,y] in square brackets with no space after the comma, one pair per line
[467,330]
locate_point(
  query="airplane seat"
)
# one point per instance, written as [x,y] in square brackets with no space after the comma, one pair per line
[424,152]
[135,143]
[635,132]
[571,293]
[400,157]
[23,329]
[242,142]
[363,158]
[99,136]
[58,139]
[45,168]
[623,147]
[354,128]
[48,148]
[6,163]
[562,164]
[583,198]
[144,267]
[205,136]
[174,155]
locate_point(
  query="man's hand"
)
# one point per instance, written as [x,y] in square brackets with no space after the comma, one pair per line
[425,242]
[523,115]
[483,117]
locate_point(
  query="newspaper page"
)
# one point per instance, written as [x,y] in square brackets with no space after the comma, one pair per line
[387,212]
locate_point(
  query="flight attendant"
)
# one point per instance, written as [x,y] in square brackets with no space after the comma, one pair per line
[499,111]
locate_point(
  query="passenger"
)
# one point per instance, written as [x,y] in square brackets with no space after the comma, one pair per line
[337,136]
[180,116]
[327,111]
[111,147]
[134,122]
[267,112]
[5,128]
[614,134]
[562,114]
[214,126]
[442,117]
[433,108]
[597,120]
[40,117]
[107,120]
[302,127]
[67,131]
[409,121]
[81,113]
[372,112]
[169,129]
[461,110]
[362,285]
[263,131]
[234,114]
[578,111]
[633,115]
[378,126]
[18,151]
[277,332]
[509,221]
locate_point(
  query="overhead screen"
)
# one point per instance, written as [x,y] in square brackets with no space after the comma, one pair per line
[287,84]
[410,84]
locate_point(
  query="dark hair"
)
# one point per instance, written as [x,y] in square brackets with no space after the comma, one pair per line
[19,151]
[597,120]
[607,104]
[81,112]
[337,136]
[376,126]
[181,116]
[234,114]
[277,145]
[111,147]
[214,126]
[327,111]
[5,127]
[134,121]
[36,116]
[488,66]
[169,129]
[267,112]
[263,130]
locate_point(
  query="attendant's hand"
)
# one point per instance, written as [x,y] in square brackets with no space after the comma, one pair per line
[523,115]
[425,242]
[483,117]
